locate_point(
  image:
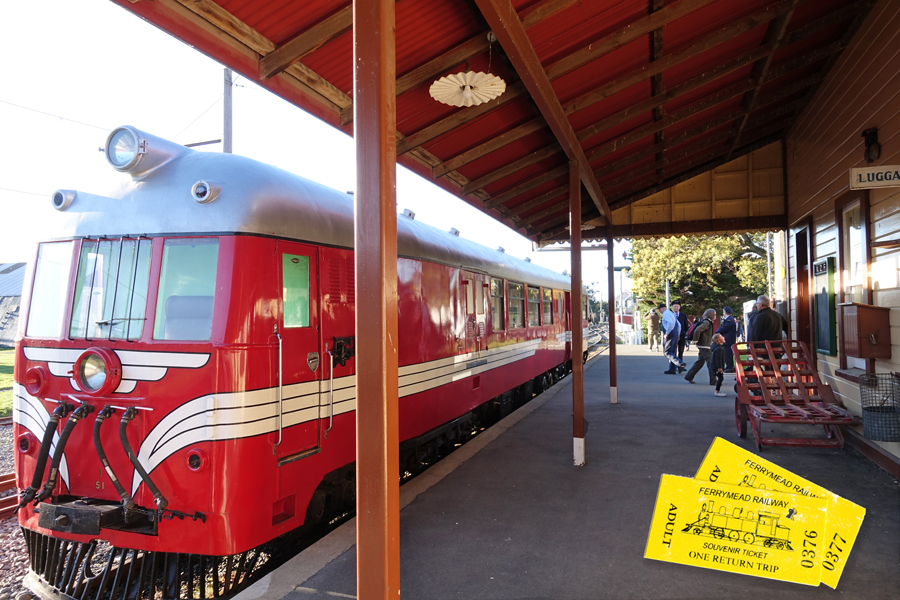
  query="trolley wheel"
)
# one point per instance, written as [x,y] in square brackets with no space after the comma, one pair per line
[740,418]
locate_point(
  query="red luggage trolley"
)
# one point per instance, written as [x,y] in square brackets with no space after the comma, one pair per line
[777,383]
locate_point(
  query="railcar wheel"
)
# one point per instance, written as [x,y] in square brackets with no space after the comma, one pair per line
[734,535]
[718,532]
[749,538]
[740,418]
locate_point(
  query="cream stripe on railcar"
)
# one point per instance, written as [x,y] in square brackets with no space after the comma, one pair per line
[30,413]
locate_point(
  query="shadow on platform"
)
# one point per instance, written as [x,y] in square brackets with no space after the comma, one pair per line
[515,520]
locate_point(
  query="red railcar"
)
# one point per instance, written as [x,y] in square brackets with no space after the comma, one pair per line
[185,369]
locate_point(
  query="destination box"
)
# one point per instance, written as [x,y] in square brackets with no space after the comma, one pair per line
[754,532]
[730,464]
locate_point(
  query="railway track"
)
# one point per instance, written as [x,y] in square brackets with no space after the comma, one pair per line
[8,501]
[5,420]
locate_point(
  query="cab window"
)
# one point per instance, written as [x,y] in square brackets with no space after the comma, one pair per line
[187,284]
[295,290]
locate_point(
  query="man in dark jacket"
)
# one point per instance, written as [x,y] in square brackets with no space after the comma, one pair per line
[751,316]
[768,325]
[728,330]
[683,321]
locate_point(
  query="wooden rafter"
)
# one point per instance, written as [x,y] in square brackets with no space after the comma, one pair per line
[772,40]
[505,23]
[295,49]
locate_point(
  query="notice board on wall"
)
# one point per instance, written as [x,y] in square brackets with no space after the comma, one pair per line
[826,320]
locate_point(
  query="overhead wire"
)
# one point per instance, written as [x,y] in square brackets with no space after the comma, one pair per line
[198,116]
[54,116]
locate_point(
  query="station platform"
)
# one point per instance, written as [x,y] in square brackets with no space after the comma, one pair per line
[507,516]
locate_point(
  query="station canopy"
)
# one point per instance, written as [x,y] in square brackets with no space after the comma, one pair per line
[644,95]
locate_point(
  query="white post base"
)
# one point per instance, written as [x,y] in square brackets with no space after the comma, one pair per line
[578,444]
[613,395]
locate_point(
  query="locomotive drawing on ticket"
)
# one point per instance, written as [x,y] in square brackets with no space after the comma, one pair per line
[739,526]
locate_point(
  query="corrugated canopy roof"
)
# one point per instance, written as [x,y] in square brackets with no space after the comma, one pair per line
[644,94]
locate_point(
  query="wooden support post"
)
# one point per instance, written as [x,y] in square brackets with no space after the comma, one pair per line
[611,276]
[377,438]
[577,312]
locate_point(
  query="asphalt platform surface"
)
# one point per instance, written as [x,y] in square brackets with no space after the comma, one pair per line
[511,518]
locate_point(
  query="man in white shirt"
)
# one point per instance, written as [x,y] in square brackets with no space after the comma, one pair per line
[671,330]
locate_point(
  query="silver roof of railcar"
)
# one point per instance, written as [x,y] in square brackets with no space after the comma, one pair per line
[256,198]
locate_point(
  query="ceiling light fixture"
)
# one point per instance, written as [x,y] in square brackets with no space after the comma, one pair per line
[469,88]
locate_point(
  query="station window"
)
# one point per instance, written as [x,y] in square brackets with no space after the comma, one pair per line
[548,306]
[295,290]
[534,306]
[497,304]
[48,296]
[111,289]
[187,285]
[516,305]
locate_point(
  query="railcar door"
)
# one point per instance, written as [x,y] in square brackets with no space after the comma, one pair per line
[300,361]
[476,326]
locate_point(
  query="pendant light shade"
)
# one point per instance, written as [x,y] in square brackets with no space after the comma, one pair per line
[468,88]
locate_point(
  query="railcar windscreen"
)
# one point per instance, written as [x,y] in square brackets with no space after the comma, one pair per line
[187,285]
[48,296]
[111,289]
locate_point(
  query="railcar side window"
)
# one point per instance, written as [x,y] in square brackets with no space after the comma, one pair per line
[48,296]
[295,290]
[470,297]
[479,297]
[585,308]
[497,305]
[534,306]
[111,289]
[548,306]
[516,305]
[187,285]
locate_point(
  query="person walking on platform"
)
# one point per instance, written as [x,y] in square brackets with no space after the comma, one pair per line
[717,361]
[728,329]
[768,325]
[653,319]
[671,330]
[751,316]
[701,336]
[683,321]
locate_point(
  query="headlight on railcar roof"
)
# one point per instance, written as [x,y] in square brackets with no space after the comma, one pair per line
[98,371]
[124,148]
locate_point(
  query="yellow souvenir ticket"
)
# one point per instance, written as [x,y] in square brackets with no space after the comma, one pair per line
[731,528]
[730,464]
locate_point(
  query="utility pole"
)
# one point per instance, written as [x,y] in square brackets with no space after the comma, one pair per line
[226,134]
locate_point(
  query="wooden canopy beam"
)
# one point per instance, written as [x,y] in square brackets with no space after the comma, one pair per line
[631,231]
[773,40]
[318,35]
[506,25]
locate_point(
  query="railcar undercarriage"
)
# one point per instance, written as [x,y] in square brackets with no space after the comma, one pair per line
[95,570]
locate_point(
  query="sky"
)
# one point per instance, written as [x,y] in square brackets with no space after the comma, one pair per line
[70,72]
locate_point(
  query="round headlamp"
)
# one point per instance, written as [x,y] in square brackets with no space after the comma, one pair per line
[124,148]
[98,371]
